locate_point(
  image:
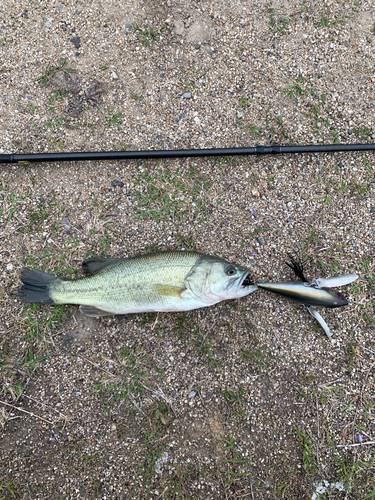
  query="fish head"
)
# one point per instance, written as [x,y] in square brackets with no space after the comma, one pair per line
[215,279]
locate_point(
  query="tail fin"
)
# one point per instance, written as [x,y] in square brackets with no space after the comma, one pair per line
[36,286]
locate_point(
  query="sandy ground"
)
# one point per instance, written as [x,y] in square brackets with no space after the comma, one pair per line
[247,399]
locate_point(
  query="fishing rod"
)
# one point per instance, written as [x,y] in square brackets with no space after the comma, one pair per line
[180,153]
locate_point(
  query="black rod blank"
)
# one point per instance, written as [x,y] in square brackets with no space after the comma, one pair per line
[180,153]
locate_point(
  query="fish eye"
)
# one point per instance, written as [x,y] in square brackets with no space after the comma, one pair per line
[230,270]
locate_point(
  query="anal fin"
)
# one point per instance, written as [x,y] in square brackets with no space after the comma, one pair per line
[94,312]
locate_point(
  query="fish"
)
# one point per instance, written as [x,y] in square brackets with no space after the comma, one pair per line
[157,282]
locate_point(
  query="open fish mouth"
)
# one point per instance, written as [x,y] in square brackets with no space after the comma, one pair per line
[246,281]
[240,282]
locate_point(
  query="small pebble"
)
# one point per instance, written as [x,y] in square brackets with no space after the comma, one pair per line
[76,41]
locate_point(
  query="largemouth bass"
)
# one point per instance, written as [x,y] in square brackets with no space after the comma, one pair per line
[165,281]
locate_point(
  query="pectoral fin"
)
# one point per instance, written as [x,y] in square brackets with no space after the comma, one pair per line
[168,290]
[320,320]
[94,312]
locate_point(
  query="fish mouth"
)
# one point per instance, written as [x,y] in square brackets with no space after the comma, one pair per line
[238,283]
[245,280]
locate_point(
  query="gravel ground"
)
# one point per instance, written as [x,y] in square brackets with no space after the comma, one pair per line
[246,399]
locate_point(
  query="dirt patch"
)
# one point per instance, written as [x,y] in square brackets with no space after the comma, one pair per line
[80,332]
[194,32]
[218,435]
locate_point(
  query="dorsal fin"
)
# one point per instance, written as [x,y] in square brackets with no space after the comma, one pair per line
[93,266]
